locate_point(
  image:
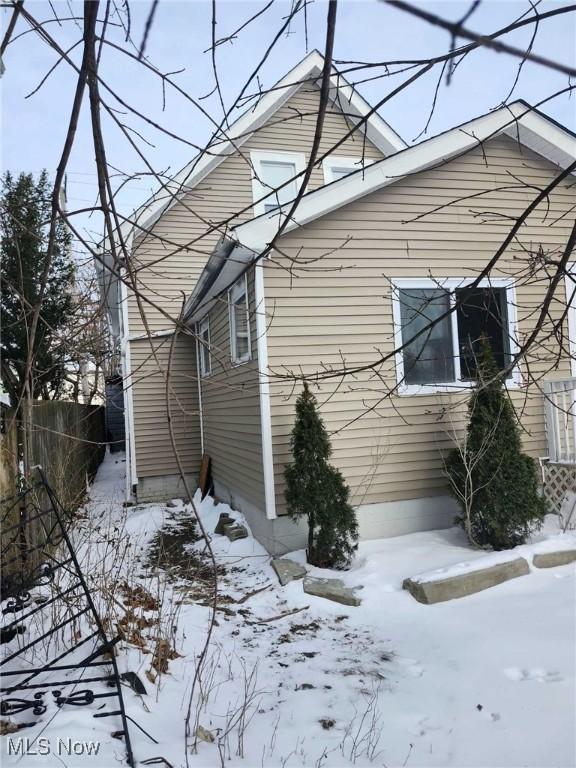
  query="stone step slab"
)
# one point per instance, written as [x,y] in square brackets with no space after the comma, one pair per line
[552,559]
[235,532]
[287,570]
[464,584]
[223,520]
[331,589]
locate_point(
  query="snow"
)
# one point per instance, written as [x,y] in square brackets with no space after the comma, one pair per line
[554,543]
[485,681]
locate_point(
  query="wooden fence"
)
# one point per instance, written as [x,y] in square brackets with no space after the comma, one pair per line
[67,441]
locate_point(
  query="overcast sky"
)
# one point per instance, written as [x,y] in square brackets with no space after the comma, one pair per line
[33,129]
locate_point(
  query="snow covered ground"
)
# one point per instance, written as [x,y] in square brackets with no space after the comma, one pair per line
[485,681]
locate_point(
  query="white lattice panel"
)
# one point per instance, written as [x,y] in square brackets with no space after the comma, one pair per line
[558,479]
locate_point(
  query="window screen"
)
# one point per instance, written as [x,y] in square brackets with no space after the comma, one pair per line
[205,360]
[240,329]
[429,358]
[272,175]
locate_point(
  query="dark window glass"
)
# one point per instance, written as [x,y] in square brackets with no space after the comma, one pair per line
[483,312]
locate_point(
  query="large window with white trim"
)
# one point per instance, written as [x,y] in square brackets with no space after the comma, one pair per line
[439,326]
[336,167]
[274,181]
[240,347]
[204,347]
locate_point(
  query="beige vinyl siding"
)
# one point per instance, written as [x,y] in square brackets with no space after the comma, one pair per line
[162,275]
[231,409]
[339,312]
[226,194]
[154,451]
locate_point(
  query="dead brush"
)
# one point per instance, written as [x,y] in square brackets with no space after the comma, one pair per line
[363,733]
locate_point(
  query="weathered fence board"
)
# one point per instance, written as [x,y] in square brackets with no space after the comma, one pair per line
[68,441]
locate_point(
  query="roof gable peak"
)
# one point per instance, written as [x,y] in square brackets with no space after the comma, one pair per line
[309,69]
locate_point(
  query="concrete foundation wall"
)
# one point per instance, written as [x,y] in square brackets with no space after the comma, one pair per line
[164,487]
[376,521]
[397,518]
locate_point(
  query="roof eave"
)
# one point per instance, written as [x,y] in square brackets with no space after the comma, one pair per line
[518,120]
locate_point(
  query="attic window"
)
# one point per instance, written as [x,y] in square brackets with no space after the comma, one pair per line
[274,181]
[335,167]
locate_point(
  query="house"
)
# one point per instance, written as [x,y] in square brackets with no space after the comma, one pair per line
[384,240]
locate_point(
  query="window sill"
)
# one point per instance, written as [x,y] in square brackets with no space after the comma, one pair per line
[243,361]
[454,388]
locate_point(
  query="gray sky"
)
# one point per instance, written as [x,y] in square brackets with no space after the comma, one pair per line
[33,129]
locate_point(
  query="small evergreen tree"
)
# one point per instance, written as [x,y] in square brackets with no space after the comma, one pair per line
[493,481]
[25,209]
[315,489]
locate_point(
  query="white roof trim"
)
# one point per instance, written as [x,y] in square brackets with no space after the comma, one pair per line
[341,93]
[225,272]
[518,120]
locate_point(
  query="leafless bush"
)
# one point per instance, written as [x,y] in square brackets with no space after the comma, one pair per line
[363,733]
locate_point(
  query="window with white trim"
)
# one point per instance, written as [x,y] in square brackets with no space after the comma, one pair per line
[335,167]
[445,355]
[204,347]
[239,322]
[274,179]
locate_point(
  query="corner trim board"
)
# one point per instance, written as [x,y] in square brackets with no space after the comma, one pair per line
[570,287]
[131,470]
[264,388]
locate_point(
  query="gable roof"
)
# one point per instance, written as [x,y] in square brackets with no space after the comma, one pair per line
[309,70]
[342,94]
[519,121]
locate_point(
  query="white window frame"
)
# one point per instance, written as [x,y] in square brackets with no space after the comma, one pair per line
[451,284]
[203,325]
[334,161]
[259,190]
[240,286]
[570,287]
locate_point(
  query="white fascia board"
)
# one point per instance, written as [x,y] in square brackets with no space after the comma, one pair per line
[310,68]
[544,137]
[153,335]
[232,268]
[377,130]
[258,233]
[213,265]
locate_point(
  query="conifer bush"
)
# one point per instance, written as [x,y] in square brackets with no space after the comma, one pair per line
[316,490]
[494,482]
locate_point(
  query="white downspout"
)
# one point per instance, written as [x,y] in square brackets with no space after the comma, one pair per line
[199,390]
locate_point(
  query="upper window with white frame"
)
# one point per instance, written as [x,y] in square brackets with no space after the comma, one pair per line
[335,167]
[240,347]
[445,355]
[274,179]
[204,347]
